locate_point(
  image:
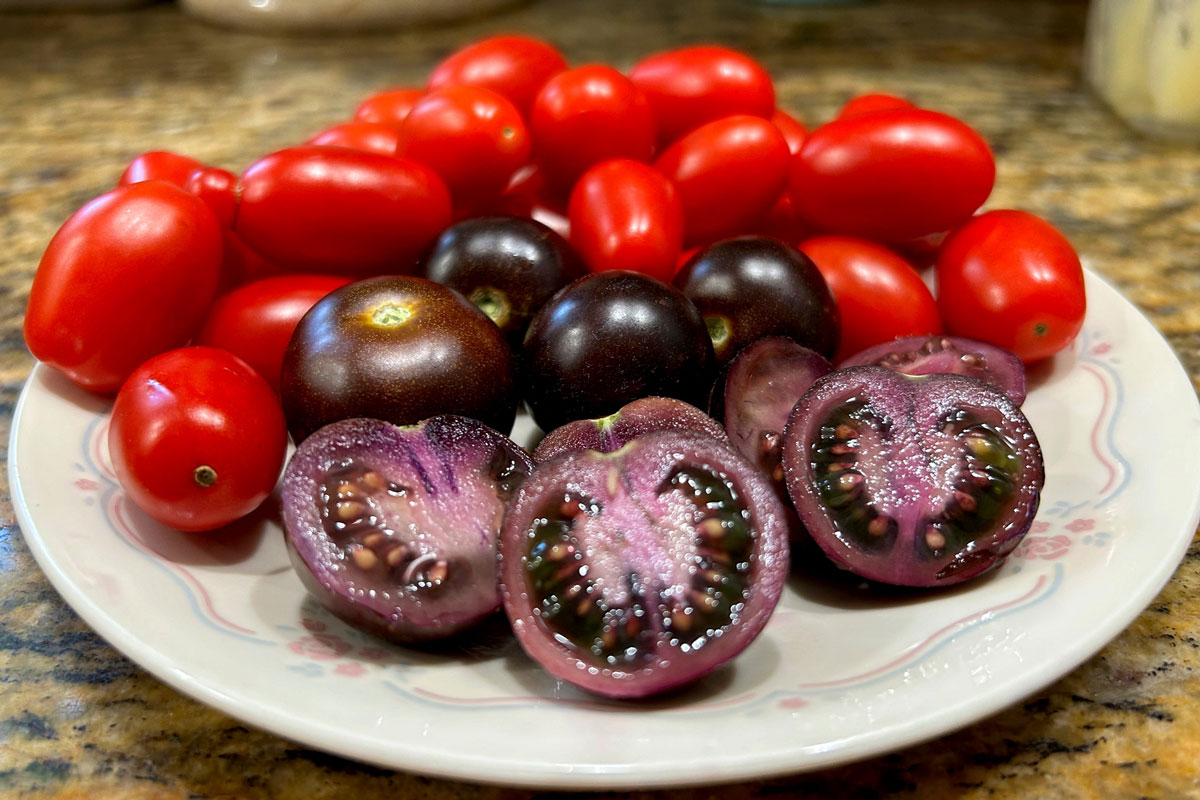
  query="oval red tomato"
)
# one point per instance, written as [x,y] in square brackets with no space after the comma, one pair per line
[388,107]
[330,209]
[474,138]
[794,131]
[891,175]
[129,275]
[870,103]
[625,215]
[255,321]
[587,115]
[691,86]
[197,438]
[218,189]
[728,174]
[1012,279]
[515,66]
[880,296]
[160,165]
[373,137]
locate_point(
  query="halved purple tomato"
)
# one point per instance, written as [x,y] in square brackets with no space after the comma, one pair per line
[636,418]
[394,529]
[634,572]
[926,355]
[913,481]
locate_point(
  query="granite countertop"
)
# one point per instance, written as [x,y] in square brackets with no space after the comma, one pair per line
[80,95]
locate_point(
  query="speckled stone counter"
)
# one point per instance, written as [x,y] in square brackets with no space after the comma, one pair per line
[81,95]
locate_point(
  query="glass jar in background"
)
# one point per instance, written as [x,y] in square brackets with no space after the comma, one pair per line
[1143,58]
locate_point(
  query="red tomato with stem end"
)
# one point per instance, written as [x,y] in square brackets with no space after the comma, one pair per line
[373,137]
[218,188]
[160,165]
[880,296]
[335,210]
[587,115]
[129,275]
[626,215]
[891,175]
[515,66]
[870,103]
[728,174]
[389,107]
[793,130]
[474,138]
[197,438]
[691,86]
[1012,279]
[255,321]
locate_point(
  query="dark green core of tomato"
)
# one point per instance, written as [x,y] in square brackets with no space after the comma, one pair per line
[982,497]
[574,608]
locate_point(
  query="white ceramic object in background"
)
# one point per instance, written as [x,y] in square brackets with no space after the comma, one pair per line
[1143,58]
[320,16]
[838,674]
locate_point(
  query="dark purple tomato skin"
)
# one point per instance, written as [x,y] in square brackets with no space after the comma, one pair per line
[642,416]
[508,266]
[609,338]
[400,349]
[753,286]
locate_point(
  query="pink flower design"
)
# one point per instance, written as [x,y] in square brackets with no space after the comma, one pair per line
[1046,547]
[1039,527]
[321,647]
[312,624]
[351,669]
[373,653]
[86,484]
[1101,348]
[1081,525]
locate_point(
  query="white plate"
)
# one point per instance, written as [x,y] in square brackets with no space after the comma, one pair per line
[839,674]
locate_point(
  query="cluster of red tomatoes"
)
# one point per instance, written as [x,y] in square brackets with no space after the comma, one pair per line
[639,169]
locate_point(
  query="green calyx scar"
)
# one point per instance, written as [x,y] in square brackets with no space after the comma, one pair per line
[390,315]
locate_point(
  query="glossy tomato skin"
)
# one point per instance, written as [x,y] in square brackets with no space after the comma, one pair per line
[334,210]
[880,296]
[160,165]
[389,107]
[587,115]
[507,266]
[794,131]
[373,137]
[753,286]
[515,66]
[129,275]
[1012,279]
[625,215]
[197,438]
[219,189]
[728,174]
[610,338]
[397,348]
[255,321]
[891,175]
[474,138]
[870,103]
[690,86]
